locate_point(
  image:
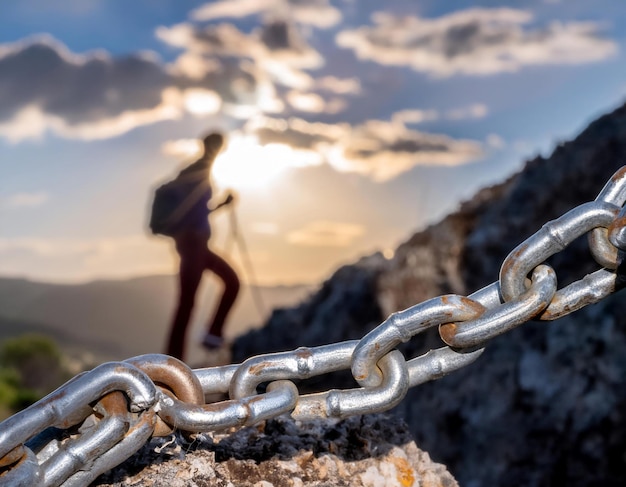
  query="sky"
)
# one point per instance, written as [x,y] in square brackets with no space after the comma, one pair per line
[350,124]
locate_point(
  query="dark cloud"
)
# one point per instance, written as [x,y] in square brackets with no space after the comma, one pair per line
[77,89]
[383,150]
[46,87]
[295,133]
[279,35]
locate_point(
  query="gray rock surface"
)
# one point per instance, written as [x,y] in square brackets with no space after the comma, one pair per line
[363,451]
[545,404]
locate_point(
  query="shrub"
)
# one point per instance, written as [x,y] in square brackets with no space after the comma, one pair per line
[30,367]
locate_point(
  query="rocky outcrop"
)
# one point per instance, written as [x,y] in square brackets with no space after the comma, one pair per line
[365,451]
[544,405]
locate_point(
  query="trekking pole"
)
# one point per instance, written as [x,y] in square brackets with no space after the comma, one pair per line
[245,257]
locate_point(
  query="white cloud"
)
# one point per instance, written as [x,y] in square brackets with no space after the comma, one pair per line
[232,8]
[415,116]
[318,13]
[202,102]
[477,110]
[275,41]
[476,41]
[495,141]
[340,86]
[325,233]
[250,65]
[314,103]
[377,149]
[182,148]
[25,200]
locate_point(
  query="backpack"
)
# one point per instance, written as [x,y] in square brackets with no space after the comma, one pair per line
[167,199]
[170,204]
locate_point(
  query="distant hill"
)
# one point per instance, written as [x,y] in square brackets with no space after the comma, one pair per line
[115,320]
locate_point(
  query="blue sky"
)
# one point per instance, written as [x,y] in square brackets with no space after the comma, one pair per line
[351,123]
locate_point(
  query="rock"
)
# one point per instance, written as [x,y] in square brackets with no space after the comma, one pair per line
[545,404]
[362,451]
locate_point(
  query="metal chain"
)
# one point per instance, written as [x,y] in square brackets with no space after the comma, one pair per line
[102,417]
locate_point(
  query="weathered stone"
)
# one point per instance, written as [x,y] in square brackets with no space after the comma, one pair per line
[363,451]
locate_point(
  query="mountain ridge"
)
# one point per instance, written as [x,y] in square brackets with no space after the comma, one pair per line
[117,319]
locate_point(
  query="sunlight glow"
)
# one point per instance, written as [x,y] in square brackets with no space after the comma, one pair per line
[202,102]
[247,164]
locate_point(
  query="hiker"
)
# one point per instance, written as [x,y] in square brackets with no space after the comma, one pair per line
[189,226]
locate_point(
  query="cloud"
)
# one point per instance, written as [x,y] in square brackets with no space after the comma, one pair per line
[383,150]
[314,103]
[182,148]
[318,13]
[275,42]
[45,86]
[202,102]
[475,42]
[377,149]
[326,234]
[340,86]
[494,141]
[296,132]
[25,200]
[412,116]
[246,68]
[477,110]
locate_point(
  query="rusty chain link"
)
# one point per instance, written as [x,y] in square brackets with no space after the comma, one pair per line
[102,417]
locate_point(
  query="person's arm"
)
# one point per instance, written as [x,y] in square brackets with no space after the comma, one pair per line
[227,201]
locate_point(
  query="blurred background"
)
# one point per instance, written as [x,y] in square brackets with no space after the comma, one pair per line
[351,125]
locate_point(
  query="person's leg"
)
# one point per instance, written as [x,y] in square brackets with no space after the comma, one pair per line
[226,273]
[191,268]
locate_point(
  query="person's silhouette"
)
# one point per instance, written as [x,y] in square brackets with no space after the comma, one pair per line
[192,235]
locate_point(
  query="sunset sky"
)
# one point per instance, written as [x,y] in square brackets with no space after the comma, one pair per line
[351,124]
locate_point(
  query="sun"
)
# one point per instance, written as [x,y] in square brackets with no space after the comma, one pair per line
[245,164]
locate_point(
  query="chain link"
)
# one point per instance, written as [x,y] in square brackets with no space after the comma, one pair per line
[102,417]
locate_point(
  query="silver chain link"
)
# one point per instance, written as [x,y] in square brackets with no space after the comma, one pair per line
[102,417]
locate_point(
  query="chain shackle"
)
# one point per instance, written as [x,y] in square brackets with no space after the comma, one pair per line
[67,405]
[438,363]
[140,431]
[402,326]
[172,375]
[79,453]
[302,363]
[281,397]
[216,380]
[602,247]
[343,403]
[505,317]
[617,230]
[553,237]
[24,471]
